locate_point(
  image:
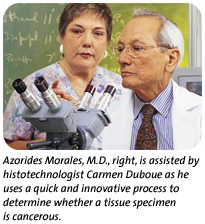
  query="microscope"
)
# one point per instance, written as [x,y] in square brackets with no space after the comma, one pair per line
[67,128]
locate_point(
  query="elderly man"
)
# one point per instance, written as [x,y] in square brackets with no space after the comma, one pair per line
[160,114]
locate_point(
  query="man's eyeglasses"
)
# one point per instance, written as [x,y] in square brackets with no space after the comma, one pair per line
[133,51]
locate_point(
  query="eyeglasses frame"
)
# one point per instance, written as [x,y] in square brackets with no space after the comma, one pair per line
[134,56]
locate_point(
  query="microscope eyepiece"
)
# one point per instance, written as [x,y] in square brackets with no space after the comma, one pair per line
[28,98]
[90,89]
[19,86]
[41,84]
[48,95]
[105,99]
[85,100]
[110,89]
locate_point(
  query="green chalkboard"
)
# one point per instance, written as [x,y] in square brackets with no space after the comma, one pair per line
[31,38]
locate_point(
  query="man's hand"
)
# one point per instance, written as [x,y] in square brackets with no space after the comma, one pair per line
[61,94]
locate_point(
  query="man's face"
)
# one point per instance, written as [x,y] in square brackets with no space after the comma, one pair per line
[147,70]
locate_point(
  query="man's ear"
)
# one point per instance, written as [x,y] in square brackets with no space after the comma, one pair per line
[173,59]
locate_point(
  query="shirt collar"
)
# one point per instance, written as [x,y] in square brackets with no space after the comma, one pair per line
[161,103]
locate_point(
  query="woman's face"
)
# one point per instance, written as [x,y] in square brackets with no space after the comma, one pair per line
[85,42]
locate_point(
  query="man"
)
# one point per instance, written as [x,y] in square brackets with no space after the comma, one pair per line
[149,49]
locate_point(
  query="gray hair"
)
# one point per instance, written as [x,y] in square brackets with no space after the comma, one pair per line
[169,36]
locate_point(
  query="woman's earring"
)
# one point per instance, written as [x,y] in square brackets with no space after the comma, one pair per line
[105,55]
[61,49]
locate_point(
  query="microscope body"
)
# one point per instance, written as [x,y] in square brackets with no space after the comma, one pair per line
[72,128]
[66,127]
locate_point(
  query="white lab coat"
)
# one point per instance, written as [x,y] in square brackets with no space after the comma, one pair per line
[186,120]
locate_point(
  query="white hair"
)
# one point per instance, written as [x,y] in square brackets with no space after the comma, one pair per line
[169,35]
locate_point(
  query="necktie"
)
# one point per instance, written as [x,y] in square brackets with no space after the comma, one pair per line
[146,137]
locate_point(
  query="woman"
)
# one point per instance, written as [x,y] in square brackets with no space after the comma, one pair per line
[85,31]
